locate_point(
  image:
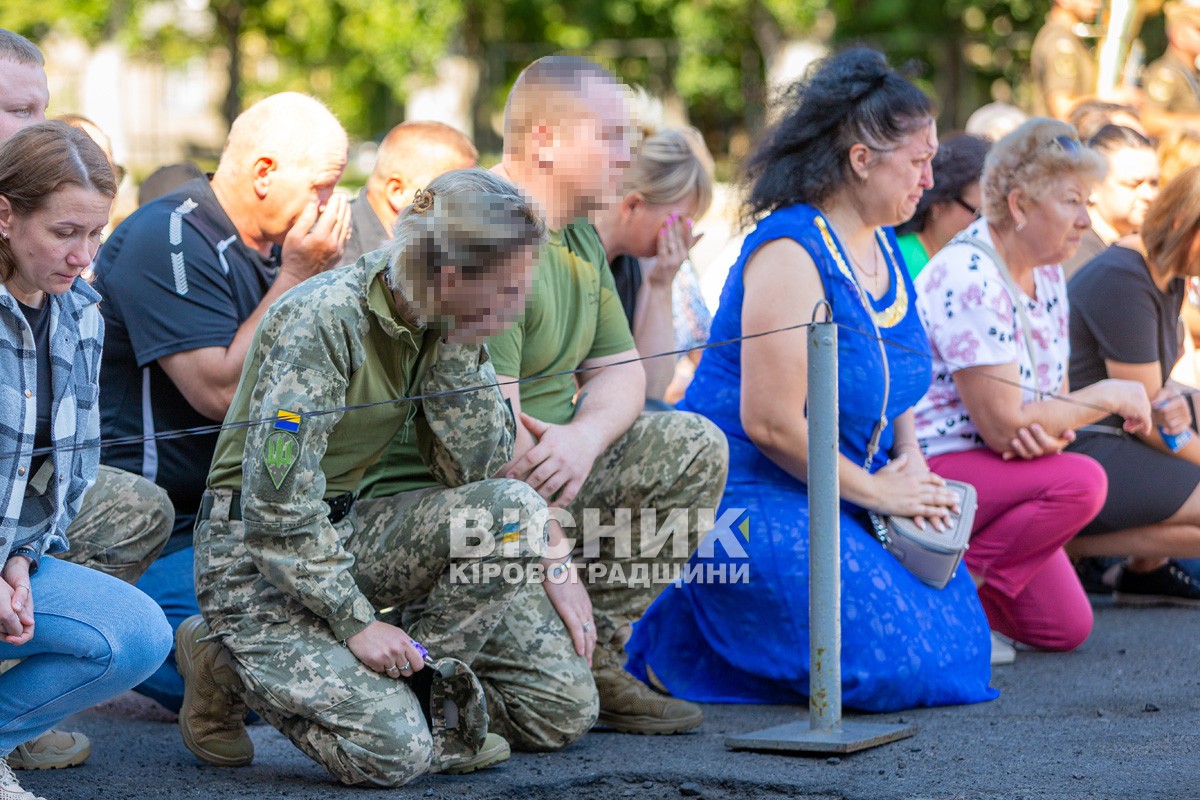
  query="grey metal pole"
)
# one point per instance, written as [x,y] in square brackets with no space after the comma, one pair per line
[824,732]
[824,532]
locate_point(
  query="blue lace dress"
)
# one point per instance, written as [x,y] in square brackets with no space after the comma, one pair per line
[904,644]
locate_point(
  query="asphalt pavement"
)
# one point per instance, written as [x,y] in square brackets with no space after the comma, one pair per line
[1116,720]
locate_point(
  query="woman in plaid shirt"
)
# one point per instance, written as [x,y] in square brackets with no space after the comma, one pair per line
[80,636]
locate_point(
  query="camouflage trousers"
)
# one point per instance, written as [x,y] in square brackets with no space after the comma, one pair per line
[364,727]
[122,525]
[667,461]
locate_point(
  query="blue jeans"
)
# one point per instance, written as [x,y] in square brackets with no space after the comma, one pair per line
[94,637]
[171,582]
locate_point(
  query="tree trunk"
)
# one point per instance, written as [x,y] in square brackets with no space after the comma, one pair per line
[474,49]
[229,23]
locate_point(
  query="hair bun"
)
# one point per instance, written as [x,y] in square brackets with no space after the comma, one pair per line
[422,201]
[865,70]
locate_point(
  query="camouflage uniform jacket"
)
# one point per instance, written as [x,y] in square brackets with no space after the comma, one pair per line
[339,340]
[38,520]
[1172,85]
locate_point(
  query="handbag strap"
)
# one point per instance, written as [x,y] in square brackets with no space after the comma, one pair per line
[1014,294]
[881,423]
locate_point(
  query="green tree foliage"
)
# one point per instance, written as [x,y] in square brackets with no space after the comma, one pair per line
[972,51]
[357,55]
[711,54]
[88,18]
[361,56]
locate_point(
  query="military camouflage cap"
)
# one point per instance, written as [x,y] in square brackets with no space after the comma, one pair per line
[457,712]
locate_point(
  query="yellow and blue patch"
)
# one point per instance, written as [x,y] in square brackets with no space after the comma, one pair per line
[287,421]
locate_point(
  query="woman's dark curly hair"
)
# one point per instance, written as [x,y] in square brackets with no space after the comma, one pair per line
[958,164]
[850,97]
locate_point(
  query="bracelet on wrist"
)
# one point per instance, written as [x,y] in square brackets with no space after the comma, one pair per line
[555,571]
[26,552]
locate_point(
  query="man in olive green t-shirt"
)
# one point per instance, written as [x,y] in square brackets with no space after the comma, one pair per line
[582,441]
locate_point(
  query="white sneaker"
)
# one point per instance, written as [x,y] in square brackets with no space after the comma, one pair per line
[1002,651]
[10,788]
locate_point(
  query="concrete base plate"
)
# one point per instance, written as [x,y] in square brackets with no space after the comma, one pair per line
[797,737]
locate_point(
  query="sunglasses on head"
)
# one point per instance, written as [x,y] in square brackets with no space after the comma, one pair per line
[1066,143]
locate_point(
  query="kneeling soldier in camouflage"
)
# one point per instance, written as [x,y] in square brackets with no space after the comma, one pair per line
[291,572]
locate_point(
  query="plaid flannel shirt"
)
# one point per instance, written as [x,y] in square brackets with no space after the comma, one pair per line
[76,336]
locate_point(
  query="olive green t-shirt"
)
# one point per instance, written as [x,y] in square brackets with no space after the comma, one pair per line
[573,314]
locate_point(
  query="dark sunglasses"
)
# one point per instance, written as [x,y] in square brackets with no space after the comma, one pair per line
[975,212]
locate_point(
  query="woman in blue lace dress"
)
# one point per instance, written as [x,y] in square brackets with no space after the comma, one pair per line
[848,160]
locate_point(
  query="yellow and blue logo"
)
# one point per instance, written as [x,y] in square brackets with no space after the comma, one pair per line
[287,421]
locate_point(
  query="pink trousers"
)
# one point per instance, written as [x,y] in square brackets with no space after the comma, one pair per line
[1027,511]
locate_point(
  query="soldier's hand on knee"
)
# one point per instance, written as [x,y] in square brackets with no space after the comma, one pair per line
[557,466]
[387,650]
[568,594]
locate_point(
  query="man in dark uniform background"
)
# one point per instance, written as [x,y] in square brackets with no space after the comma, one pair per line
[1063,65]
[1172,83]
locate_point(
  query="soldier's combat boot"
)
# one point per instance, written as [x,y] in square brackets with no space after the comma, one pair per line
[212,718]
[495,749]
[630,706]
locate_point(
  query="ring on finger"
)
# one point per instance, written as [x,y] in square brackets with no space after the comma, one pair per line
[391,669]
[587,626]
[407,666]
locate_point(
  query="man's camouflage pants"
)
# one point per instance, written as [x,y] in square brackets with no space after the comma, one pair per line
[122,525]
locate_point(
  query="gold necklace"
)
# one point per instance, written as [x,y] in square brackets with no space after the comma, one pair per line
[890,316]
[856,264]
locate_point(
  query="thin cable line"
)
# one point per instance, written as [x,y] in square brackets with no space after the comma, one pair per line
[239,424]
[217,427]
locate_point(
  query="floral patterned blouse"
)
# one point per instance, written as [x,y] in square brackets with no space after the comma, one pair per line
[972,321]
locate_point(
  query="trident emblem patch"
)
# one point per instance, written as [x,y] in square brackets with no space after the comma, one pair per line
[281,451]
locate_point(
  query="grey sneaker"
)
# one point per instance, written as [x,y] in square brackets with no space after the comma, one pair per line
[1002,652]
